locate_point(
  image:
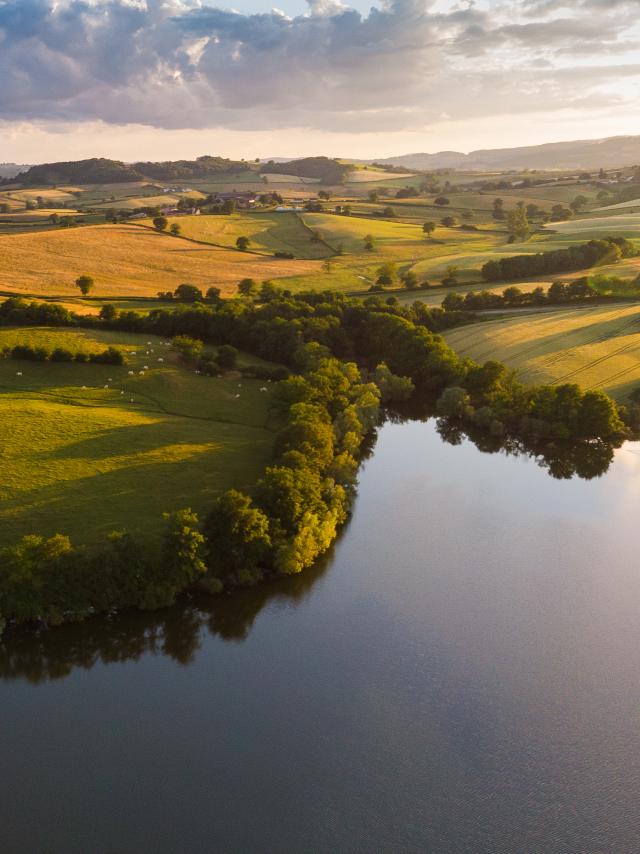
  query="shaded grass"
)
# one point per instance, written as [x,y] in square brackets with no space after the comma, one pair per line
[84,461]
[268,232]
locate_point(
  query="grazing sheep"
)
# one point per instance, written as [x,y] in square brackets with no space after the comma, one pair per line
[237,395]
[18,373]
[130,373]
[160,359]
[141,373]
[146,367]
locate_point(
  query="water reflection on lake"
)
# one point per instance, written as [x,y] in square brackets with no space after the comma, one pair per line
[461,674]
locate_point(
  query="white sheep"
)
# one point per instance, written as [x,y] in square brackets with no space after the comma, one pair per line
[18,373]
[146,367]
[160,359]
[141,373]
[131,373]
[106,386]
[237,395]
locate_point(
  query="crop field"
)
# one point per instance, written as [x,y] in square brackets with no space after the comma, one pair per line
[367,176]
[283,178]
[154,200]
[89,448]
[633,203]
[52,196]
[127,260]
[268,232]
[587,229]
[595,347]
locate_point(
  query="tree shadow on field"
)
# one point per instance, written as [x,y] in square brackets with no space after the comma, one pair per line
[134,495]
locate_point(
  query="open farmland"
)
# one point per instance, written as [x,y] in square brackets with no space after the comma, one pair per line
[83,459]
[628,225]
[595,347]
[127,260]
[268,232]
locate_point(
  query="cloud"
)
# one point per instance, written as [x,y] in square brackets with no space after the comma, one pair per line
[182,64]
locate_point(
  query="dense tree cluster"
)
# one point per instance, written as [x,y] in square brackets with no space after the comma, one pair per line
[558,293]
[347,358]
[579,257]
[110,356]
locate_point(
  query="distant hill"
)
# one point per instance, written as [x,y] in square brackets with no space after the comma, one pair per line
[612,152]
[10,170]
[326,169]
[99,170]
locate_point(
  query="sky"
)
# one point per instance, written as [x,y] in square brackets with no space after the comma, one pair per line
[169,79]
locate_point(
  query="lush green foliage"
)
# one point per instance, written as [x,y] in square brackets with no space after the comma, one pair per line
[579,257]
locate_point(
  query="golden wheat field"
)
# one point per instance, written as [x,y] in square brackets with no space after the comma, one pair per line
[127,260]
[593,347]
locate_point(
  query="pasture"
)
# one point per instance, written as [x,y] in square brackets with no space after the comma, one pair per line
[127,260]
[268,232]
[595,347]
[89,448]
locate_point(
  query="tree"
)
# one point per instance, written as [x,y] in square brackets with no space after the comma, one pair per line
[388,212]
[189,348]
[108,312]
[188,293]
[228,206]
[213,295]
[373,195]
[84,284]
[518,223]
[368,243]
[160,223]
[449,221]
[175,229]
[247,288]
[227,356]
[450,276]
[578,203]
[238,539]
[441,201]
[498,209]
[410,280]
[428,228]
[386,274]
[242,243]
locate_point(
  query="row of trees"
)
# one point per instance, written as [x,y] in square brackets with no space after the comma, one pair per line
[348,357]
[606,251]
[556,294]
[110,356]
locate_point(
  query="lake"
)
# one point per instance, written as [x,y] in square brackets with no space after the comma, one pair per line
[461,674]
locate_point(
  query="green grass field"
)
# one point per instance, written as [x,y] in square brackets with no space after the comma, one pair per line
[268,232]
[90,448]
[595,347]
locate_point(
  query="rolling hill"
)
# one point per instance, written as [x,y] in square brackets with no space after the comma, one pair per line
[615,151]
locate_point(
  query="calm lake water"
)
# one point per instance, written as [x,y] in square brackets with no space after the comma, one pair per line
[461,675]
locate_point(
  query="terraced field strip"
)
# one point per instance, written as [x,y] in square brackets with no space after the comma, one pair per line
[595,347]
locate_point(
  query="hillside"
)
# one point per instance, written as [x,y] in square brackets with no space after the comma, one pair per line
[10,170]
[99,170]
[611,152]
[327,170]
